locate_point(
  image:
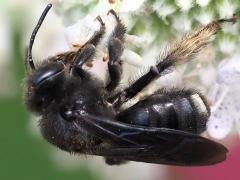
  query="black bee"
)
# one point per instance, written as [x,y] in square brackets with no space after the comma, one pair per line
[80,114]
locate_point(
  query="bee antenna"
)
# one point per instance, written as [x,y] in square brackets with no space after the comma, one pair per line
[34,33]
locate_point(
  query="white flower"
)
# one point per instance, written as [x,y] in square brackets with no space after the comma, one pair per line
[163,9]
[139,41]
[82,31]
[225,98]
[227,45]
[182,23]
[205,16]
[230,29]
[202,3]
[71,10]
[184,5]
[130,5]
[229,71]
[207,75]
[70,3]
[223,111]
[226,9]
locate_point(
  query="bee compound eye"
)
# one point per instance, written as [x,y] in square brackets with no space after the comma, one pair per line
[47,73]
[67,114]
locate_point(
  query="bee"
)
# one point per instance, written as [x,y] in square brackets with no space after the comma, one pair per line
[80,114]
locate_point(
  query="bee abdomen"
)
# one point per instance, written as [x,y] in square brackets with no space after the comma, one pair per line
[192,113]
[181,111]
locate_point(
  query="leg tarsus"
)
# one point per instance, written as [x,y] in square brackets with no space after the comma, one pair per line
[111,11]
[120,30]
[97,36]
[115,49]
[99,19]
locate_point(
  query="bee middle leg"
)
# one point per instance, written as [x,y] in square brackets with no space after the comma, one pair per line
[115,50]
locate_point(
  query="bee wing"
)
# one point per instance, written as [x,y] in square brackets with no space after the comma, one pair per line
[153,145]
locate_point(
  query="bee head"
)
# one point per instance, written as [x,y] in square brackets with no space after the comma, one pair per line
[44,85]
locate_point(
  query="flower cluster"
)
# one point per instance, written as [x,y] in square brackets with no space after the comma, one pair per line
[224,96]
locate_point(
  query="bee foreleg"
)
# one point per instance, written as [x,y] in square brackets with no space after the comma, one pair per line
[97,36]
[86,54]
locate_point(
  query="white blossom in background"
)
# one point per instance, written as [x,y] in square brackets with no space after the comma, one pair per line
[227,8]
[185,5]
[227,45]
[182,23]
[204,16]
[67,8]
[72,10]
[80,32]
[167,11]
[129,5]
[163,8]
[225,99]
[203,3]
[138,41]
[207,75]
